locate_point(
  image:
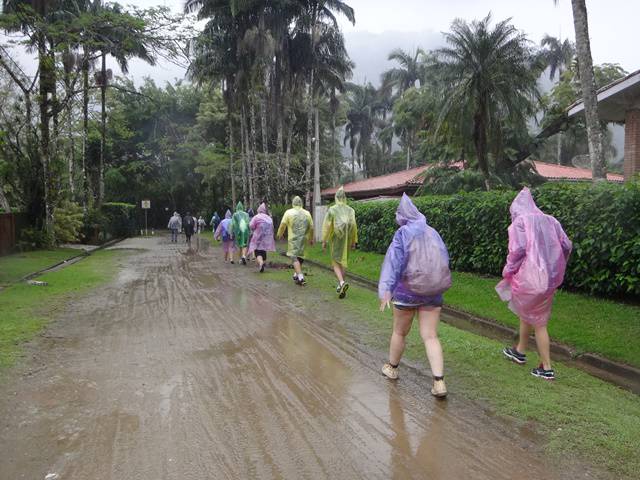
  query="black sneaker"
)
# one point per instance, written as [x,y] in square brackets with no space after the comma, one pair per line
[244,261]
[302,282]
[232,262]
[540,372]
[514,355]
[343,290]
[262,268]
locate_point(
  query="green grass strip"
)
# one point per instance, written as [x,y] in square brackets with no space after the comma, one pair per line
[14,267]
[588,324]
[577,414]
[27,308]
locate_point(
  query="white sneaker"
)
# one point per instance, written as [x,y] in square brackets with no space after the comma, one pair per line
[439,389]
[389,371]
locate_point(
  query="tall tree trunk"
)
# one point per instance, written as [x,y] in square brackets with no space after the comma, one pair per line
[287,157]
[316,163]
[408,152]
[307,172]
[72,144]
[480,141]
[47,78]
[265,170]
[245,154]
[559,148]
[55,113]
[253,184]
[231,157]
[85,128]
[353,165]
[587,80]
[103,126]
[334,160]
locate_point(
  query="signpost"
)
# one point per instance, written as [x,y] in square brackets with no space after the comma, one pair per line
[146,205]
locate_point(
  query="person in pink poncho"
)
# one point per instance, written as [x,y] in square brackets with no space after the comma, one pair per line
[538,254]
[262,238]
[414,275]
[224,232]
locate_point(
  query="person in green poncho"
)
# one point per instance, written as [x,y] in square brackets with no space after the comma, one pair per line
[340,231]
[299,226]
[240,228]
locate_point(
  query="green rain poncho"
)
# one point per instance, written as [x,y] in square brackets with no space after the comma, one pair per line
[299,225]
[240,226]
[339,229]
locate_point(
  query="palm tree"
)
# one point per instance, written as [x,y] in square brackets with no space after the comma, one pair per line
[362,107]
[487,78]
[589,90]
[557,55]
[121,35]
[409,71]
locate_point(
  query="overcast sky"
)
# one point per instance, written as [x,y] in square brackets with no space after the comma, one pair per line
[382,25]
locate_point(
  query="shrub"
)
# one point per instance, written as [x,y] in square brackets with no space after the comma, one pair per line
[34,238]
[602,220]
[68,222]
[112,220]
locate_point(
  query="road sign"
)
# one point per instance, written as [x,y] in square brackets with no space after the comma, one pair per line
[146,204]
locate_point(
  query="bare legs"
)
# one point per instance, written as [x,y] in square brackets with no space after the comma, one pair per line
[428,318]
[542,342]
[297,267]
[260,260]
[339,271]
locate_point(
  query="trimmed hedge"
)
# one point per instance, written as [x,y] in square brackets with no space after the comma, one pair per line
[112,220]
[602,220]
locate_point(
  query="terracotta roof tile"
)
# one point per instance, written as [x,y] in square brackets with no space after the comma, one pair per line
[396,181]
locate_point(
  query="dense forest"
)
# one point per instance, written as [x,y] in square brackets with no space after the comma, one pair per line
[267,109]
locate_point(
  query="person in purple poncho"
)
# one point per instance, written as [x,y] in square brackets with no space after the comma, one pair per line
[224,232]
[414,275]
[538,254]
[262,238]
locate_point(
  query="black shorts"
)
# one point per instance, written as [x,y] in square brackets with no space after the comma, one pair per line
[261,253]
[300,259]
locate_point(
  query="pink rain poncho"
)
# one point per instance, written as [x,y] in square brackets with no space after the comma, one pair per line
[415,270]
[538,254]
[261,227]
[224,233]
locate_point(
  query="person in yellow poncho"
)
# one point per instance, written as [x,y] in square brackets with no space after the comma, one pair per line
[341,232]
[299,226]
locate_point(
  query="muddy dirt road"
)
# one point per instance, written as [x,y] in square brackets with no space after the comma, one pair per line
[185,368]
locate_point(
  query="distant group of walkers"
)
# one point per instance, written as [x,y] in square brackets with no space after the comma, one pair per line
[415,272]
[187,224]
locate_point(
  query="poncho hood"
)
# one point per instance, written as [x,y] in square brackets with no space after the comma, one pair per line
[341,197]
[523,204]
[215,215]
[262,208]
[239,207]
[407,212]
[296,202]
[228,214]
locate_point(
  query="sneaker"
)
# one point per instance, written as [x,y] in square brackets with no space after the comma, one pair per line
[514,355]
[389,371]
[540,372]
[232,262]
[338,288]
[343,290]
[244,260]
[302,282]
[439,389]
[262,268]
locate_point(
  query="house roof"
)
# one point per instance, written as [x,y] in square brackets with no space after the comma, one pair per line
[396,183]
[614,99]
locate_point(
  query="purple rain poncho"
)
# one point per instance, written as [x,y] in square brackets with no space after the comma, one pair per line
[261,227]
[416,267]
[538,254]
[224,233]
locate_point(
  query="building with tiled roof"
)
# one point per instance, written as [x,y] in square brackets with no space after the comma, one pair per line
[394,184]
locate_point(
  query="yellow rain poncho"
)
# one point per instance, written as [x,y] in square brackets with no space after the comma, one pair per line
[299,225]
[339,229]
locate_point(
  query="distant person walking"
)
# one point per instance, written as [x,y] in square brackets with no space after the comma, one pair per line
[299,226]
[201,224]
[414,275]
[224,232]
[215,221]
[240,223]
[339,229]
[174,226]
[189,226]
[262,236]
[538,254]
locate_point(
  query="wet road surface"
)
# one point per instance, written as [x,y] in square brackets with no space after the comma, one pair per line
[185,368]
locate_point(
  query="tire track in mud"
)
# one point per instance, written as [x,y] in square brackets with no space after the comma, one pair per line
[186,368]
